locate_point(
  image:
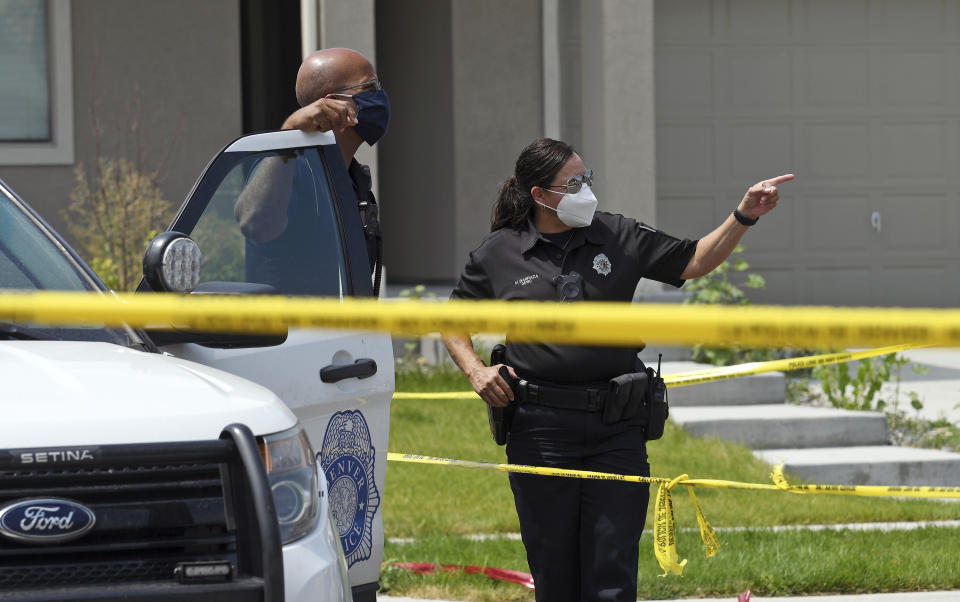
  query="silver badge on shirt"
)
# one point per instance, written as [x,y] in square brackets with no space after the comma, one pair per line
[601,263]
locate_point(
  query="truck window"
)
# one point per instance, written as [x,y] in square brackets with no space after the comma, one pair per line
[29,260]
[271,220]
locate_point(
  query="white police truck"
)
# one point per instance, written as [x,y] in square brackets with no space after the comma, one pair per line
[174,464]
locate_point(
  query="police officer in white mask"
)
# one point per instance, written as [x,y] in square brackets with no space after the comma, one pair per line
[549,243]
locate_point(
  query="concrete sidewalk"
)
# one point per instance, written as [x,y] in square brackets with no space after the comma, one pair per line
[898,597]
[938,389]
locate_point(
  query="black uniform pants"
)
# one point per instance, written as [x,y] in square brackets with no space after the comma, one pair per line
[582,536]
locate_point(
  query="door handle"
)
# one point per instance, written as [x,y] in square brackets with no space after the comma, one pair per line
[361,368]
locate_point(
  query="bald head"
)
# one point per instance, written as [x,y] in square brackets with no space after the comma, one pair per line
[331,69]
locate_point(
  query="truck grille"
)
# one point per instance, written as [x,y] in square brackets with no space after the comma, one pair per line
[148,519]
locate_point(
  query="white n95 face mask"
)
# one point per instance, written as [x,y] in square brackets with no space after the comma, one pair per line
[575,210]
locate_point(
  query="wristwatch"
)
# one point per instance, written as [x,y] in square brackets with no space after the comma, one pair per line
[743,219]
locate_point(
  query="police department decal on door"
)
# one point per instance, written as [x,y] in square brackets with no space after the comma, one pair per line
[47,520]
[347,459]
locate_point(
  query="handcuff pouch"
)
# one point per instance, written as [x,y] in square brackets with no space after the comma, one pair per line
[626,397]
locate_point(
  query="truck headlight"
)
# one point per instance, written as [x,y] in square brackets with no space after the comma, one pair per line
[292,473]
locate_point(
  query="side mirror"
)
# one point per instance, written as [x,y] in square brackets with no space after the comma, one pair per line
[171,263]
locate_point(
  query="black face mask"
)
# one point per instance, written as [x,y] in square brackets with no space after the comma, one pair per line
[373,115]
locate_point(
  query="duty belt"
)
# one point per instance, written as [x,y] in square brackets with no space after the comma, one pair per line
[589,399]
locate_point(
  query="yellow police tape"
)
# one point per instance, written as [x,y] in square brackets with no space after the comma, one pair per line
[664,528]
[682,379]
[696,377]
[578,323]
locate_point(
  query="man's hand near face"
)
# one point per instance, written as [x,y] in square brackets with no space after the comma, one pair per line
[323,115]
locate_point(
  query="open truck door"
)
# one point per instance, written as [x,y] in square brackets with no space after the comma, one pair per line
[276,213]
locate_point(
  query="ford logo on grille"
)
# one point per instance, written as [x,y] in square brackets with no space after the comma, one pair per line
[47,520]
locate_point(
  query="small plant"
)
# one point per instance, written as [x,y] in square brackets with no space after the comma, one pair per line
[916,431]
[860,390]
[412,358]
[116,206]
[416,292]
[717,288]
[114,213]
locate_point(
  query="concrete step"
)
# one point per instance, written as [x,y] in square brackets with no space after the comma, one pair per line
[776,426]
[869,465]
[650,355]
[745,390]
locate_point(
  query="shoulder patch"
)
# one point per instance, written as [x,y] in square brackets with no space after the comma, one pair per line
[347,458]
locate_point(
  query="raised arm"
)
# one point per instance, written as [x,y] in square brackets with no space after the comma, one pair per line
[716,246]
[261,208]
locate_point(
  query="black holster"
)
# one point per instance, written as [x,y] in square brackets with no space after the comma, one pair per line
[642,392]
[501,419]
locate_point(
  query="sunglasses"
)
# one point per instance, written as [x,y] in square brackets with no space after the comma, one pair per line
[574,184]
[373,84]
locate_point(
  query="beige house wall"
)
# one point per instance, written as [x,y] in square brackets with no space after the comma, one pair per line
[465,84]
[181,58]
[474,82]
[662,98]
[414,60]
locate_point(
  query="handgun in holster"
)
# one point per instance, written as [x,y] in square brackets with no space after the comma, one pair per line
[501,418]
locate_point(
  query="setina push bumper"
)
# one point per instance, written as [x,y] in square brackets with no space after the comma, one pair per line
[145,522]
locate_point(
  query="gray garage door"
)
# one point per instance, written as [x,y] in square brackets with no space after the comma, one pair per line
[859,98]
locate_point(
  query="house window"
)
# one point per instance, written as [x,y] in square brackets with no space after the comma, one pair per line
[36,93]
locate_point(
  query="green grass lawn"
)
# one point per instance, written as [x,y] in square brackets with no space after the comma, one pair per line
[769,564]
[438,504]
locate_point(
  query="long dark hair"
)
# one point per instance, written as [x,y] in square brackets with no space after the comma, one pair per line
[536,166]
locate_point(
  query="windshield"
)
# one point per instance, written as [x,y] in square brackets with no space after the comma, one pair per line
[31,261]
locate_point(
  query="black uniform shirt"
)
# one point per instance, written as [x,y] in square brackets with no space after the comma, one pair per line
[611,255]
[363,186]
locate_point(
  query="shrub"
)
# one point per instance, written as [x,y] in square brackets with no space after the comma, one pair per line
[717,288]
[113,213]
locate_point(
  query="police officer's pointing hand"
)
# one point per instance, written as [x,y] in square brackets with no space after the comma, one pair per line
[490,386]
[762,197]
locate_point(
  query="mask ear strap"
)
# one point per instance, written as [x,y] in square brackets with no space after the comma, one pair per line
[548,190]
[545,205]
